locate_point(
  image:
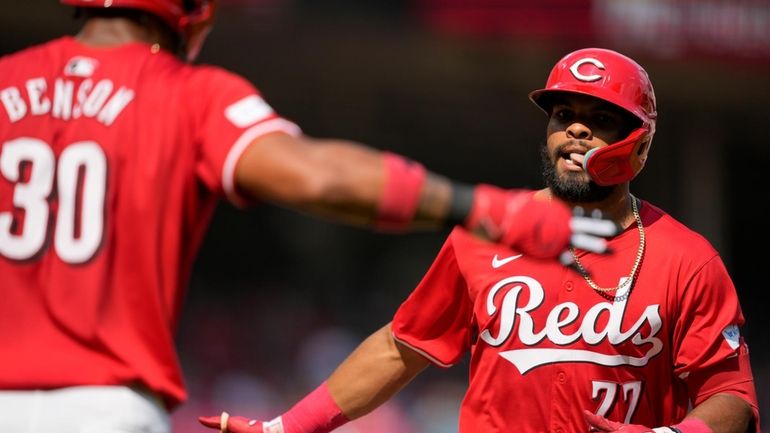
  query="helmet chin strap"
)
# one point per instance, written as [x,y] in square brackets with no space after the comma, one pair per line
[619,162]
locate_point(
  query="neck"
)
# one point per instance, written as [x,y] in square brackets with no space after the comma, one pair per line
[114,31]
[617,207]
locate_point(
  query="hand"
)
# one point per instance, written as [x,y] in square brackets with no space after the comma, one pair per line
[236,424]
[602,424]
[316,413]
[538,228]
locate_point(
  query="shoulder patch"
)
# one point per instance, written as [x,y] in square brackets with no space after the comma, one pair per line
[732,336]
[248,111]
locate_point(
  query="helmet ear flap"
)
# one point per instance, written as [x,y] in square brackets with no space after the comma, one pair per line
[619,162]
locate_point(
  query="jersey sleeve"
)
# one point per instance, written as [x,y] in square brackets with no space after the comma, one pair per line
[710,353]
[436,318]
[708,325]
[230,116]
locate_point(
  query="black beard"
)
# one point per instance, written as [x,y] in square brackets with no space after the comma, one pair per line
[569,188]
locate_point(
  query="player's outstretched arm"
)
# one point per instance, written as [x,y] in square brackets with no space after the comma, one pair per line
[357,184]
[374,372]
[345,181]
[371,375]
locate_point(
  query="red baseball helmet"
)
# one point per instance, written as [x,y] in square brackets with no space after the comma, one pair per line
[615,78]
[192,23]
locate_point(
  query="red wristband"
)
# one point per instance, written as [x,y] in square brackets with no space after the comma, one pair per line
[316,413]
[401,194]
[692,425]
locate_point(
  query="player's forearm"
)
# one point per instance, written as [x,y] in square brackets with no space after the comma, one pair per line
[355,182]
[373,373]
[343,180]
[376,370]
[724,413]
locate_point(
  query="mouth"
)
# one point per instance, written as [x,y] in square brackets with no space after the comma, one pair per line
[572,155]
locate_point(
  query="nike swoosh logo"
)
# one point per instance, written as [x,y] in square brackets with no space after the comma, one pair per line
[497,262]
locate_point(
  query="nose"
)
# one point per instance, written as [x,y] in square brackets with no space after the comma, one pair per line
[579,131]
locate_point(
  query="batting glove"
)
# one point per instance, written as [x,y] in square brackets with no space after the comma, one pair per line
[538,228]
[601,424]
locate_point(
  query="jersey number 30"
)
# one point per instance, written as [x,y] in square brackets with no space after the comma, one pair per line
[80,179]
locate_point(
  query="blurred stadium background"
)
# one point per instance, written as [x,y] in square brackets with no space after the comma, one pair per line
[277,299]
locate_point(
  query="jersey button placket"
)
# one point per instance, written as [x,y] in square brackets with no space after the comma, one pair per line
[559,418]
[561,402]
[568,285]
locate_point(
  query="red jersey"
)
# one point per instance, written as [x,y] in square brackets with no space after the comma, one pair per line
[111,163]
[544,345]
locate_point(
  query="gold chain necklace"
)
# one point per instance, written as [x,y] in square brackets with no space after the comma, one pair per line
[628,282]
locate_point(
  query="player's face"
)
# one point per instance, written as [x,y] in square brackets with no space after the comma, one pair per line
[577,124]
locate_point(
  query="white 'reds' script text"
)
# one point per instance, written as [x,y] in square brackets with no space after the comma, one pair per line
[558,318]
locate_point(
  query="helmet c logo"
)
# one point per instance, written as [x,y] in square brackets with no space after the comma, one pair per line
[587,78]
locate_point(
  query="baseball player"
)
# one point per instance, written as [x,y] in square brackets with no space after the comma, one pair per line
[114,150]
[644,339]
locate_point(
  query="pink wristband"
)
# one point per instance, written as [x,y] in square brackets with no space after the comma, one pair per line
[692,425]
[401,195]
[316,413]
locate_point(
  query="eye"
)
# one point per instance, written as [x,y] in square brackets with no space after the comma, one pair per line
[607,119]
[562,114]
